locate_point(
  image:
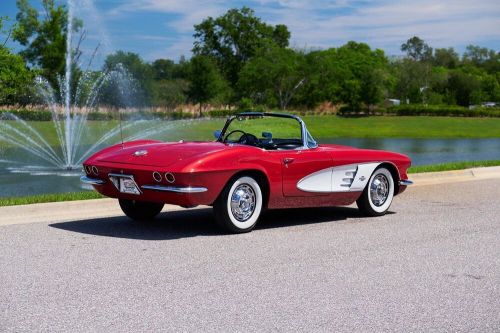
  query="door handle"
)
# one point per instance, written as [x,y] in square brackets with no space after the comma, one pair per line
[288,160]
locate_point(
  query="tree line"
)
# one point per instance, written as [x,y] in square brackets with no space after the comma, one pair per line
[240,60]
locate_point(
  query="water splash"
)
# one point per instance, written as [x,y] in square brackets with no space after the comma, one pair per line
[69,114]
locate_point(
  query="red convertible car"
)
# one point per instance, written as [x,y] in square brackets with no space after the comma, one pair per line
[258,161]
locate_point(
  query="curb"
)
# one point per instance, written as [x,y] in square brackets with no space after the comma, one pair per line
[54,212]
[443,177]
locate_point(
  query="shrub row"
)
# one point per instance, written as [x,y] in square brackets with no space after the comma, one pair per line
[442,110]
[423,110]
[36,115]
[402,110]
[44,115]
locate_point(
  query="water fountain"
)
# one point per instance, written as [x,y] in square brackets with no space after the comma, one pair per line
[36,153]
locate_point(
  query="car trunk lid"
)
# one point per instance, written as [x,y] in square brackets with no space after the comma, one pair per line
[160,154]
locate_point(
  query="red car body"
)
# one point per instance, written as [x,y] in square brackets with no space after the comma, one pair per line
[195,173]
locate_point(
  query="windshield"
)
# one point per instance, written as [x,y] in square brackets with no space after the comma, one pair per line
[266,132]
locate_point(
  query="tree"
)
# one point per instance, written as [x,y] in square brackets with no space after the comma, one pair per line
[325,75]
[412,80]
[233,38]
[132,80]
[416,49]
[464,88]
[169,93]
[44,39]
[273,76]
[207,82]
[3,32]
[15,78]
[483,58]
[367,67]
[446,57]
[163,69]
[477,55]
[352,74]
[490,88]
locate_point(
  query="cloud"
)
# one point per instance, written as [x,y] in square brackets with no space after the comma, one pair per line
[321,24]
[176,49]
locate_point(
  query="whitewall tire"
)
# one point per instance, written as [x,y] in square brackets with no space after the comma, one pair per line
[239,206]
[378,193]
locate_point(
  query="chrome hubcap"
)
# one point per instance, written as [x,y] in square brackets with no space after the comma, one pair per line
[379,190]
[243,202]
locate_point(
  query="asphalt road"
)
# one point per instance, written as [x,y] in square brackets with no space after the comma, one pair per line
[432,264]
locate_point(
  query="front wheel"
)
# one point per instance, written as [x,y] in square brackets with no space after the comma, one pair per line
[238,207]
[378,194]
[140,210]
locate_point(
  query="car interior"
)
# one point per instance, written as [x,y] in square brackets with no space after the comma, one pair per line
[266,141]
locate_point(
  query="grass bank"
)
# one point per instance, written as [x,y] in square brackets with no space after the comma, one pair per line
[86,195]
[56,197]
[453,166]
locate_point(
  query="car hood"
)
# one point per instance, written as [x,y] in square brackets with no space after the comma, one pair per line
[159,154]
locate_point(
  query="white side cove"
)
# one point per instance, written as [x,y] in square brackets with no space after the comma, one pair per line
[344,178]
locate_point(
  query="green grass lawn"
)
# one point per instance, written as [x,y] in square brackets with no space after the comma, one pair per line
[319,126]
[56,197]
[404,127]
[375,127]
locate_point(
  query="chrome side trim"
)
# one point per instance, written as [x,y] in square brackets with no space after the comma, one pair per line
[405,182]
[342,178]
[91,181]
[189,189]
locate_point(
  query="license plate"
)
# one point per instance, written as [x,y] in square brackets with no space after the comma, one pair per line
[128,185]
[125,183]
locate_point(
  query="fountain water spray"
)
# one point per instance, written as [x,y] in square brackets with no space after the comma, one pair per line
[69,114]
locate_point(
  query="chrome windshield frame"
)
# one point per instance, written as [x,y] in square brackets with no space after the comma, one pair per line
[303,129]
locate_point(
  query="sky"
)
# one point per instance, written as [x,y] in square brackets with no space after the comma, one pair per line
[164,28]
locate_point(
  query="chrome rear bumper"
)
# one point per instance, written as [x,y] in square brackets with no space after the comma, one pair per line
[176,189]
[91,181]
[405,182]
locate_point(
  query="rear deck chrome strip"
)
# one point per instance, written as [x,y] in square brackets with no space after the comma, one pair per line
[91,181]
[162,188]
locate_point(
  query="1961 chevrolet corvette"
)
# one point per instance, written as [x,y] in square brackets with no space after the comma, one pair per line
[258,161]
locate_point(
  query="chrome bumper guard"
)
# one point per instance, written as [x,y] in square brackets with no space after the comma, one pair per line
[91,181]
[162,188]
[405,182]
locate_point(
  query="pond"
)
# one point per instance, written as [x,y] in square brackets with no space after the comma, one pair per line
[421,151]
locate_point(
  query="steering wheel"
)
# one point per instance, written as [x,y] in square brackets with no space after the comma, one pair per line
[235,131]
[245,138]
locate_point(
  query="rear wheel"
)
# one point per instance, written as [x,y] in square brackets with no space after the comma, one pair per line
[239,206]
[378,194]
[140,210]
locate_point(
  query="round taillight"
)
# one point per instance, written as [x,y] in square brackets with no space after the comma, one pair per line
[88,169]
[157,176]
[95,171]
[169,177]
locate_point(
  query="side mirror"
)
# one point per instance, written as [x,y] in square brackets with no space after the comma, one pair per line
[268,136]
[217,134]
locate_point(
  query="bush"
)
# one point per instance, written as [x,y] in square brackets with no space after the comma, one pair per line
[44,115]
[36,115]
[220,113]
[441,110]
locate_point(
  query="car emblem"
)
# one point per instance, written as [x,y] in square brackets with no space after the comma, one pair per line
[140,153]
